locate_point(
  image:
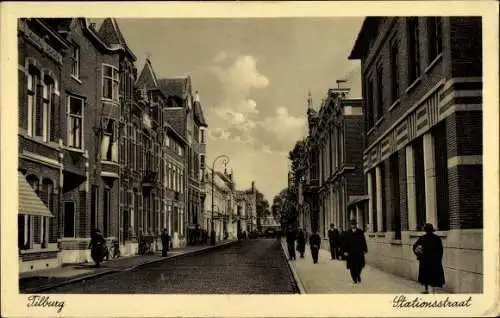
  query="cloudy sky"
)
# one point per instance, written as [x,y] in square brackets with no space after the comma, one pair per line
[253,77]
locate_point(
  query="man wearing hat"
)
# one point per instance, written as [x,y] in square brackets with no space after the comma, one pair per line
[429,251]
[355,249]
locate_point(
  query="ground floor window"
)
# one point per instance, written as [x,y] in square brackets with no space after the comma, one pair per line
[25,233]
[69,219]
[106,211]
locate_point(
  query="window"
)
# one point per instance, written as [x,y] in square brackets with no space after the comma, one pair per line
[47,91]
[395,193]
[179,150]
[32,82]
[394,72]
[25,233]
[418,157]
[94,206]
[181,181]
[413,50]
[110,82]
[106,211]
[441,160]
[75,61]
[379,104]
[108,142]
[434,29]
[69,219]
[203,136]
[369,104]
[75,122]
[171,176]
[167,141]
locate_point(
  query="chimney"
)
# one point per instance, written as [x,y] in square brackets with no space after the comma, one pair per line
[196,97]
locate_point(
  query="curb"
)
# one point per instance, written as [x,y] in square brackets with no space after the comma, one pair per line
[195,252]
[298,282]
[117,270]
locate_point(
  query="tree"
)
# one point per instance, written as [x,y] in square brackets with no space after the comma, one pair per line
[262,207]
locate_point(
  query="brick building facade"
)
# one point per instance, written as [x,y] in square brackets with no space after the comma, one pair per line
[422,81]
[40,137]
[99,147]
[334,177]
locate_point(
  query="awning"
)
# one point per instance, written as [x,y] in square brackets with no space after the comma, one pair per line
[29,202]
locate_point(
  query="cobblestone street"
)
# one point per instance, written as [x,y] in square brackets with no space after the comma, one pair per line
[245,267]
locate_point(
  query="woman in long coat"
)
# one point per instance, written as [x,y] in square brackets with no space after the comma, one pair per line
[429,251]
[165,242]
[97,247]
[301,243]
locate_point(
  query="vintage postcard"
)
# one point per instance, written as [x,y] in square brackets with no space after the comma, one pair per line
[250,159]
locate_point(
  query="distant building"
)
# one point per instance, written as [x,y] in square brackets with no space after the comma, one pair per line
[422,96]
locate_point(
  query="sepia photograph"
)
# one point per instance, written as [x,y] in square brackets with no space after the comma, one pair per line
[251,155]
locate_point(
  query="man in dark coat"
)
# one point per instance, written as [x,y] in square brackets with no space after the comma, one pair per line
[290,242]
[341,243]
[333,238]
[301,243]
[315,244]
[355,249]
[165,242]
[429,251]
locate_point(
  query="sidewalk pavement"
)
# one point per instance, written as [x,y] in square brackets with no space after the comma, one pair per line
[37,281]
[332,276]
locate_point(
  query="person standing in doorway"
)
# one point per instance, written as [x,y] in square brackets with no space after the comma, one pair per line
[290,242]
[315,244]
[429,251]
[354,250]
[333,238]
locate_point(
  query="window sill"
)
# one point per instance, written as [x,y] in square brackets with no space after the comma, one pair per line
[108,162]
[39,140]
[433,63]
[77,150]
[415,234]
[76,79]
[38,250]
[108,100]
[415,83]
[396,242]
[394,105]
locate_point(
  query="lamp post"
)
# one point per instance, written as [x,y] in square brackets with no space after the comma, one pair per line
[212,230]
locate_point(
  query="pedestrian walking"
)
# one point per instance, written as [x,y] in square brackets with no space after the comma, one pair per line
[341,244]
[97,247]
[355,249]
[165,242]
[429,251]
[333,238]
[290,242]
[301,243]
[315,244]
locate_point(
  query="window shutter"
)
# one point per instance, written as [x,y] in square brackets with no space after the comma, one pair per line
[39,111]
[55,133]
[23,100]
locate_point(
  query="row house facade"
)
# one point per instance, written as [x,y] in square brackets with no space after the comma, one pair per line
[184,113]
[99,147]
[160,183]
[422,96]
[74,111]
[223,209]
[334,182]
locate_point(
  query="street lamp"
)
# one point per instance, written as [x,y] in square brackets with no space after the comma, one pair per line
[212,231]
